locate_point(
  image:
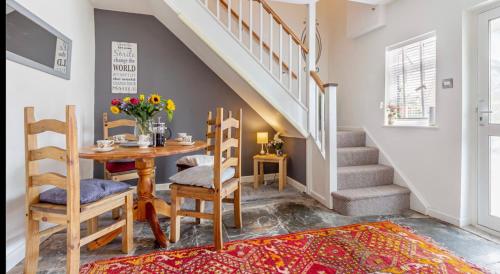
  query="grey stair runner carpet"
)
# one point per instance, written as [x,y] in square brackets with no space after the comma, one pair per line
[364,186]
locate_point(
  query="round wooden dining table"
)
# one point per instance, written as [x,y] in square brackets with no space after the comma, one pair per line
[147,206]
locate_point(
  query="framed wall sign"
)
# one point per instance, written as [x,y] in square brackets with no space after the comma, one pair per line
[123,67]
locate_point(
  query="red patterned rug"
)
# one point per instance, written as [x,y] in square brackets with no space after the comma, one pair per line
[381,247]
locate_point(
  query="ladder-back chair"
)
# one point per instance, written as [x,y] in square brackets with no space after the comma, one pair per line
[212,183]
[190,161]
[69,214]
[118,170]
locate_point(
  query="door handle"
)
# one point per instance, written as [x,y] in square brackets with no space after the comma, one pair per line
[481,118]
[486,111]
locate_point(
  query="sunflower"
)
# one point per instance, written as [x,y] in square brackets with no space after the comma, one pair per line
[155,99]
[114,109]
[126,99]
[170,105]
[141,97]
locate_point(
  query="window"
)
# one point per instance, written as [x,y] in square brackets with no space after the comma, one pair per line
[411,82]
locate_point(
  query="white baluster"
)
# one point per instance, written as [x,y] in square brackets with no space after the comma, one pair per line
[218,8]
[261,31]
[290,62]
[271,60]
[281,53]
[240,21]
[299,72]
[229,15]
[311,66]
[251,25]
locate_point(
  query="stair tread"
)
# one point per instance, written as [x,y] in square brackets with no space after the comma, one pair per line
[370,192]
[350,132]
[357,156]
[355,149]
[363,168]
[351,138]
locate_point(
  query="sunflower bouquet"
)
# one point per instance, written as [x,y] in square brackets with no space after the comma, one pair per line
[143,109]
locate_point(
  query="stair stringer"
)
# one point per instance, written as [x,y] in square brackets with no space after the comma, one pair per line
[223,53]
[417,201]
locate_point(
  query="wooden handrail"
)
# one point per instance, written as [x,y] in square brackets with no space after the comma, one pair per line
[318,80]
[257,37]
[285,26]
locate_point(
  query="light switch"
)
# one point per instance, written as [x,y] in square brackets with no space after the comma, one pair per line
[381,106]
[448,83]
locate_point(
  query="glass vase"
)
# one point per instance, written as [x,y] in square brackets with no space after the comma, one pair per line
[143,127]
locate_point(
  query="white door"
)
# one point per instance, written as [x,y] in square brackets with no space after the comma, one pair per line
[489,120]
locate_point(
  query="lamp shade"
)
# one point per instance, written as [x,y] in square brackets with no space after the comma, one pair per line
[262,138]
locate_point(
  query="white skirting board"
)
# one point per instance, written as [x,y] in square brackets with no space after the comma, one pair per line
[15,255]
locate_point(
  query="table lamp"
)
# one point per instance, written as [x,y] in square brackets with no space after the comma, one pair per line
[262,138]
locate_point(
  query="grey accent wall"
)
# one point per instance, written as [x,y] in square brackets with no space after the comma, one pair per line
[296,150]
[168,67]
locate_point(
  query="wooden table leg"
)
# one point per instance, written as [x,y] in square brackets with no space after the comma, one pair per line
[285,171]
[261,173]
[104,240]
[255,174]
[281,173]
[147,202]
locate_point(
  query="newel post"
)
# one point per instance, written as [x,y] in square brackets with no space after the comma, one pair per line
[331,134]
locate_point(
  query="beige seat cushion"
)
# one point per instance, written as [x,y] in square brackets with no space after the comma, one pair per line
[196,160]
[200,176]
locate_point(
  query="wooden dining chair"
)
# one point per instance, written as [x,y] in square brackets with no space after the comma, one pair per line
[212,183]
[190,161]
[118,170]
[72,203]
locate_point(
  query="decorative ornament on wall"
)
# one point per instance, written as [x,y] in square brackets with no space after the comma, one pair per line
[319,45]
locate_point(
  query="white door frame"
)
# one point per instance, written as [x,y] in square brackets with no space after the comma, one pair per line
[485,129]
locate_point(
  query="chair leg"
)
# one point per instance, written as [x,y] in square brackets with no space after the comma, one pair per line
[32,246]
[175,220]
[92,226]
[128,229]
[200,207]
[73,247]
[237,207]
[218,223]
[115,213]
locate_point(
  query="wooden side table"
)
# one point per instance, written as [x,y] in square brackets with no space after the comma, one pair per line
[258,168]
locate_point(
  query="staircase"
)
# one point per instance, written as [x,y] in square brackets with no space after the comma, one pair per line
[248,45]
[364,187]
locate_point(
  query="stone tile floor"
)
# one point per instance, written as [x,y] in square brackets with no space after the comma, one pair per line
[267,212]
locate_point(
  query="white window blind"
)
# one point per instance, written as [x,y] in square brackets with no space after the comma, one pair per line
[411,80]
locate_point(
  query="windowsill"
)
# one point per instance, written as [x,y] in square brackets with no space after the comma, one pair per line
[412,126]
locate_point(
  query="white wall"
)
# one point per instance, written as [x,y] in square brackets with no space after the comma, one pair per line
[429,158]
[49,95]
[295,15]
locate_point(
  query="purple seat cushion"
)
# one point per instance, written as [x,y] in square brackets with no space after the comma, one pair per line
[91,190]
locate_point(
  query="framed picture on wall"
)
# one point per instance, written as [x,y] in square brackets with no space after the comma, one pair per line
[123,67]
